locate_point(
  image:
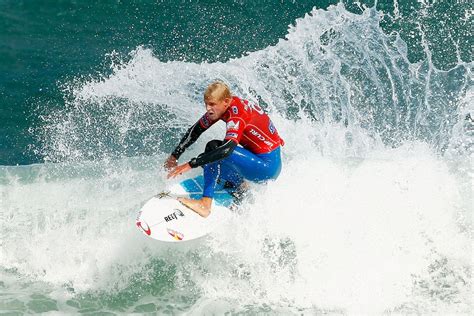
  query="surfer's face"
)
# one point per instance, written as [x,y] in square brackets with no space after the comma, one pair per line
[216,108]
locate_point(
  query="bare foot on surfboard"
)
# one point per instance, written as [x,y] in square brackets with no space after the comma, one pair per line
[202,206]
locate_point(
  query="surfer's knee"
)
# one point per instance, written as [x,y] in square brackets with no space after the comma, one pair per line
[213,144]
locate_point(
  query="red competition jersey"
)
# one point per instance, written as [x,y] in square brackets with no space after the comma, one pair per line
[247,125]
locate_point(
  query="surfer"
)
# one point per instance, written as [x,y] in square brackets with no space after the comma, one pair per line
[250,149]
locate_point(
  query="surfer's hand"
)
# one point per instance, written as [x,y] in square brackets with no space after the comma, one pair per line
[179,170]
[170,163]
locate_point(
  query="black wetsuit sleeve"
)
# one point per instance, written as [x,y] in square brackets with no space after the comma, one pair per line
[221,152]
[188,139]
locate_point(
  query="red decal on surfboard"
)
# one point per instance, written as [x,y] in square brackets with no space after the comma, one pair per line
[147,230]
[176,235]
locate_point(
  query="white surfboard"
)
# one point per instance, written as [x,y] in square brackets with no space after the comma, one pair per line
[164,218]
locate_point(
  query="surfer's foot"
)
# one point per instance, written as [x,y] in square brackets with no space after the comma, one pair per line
[202,206]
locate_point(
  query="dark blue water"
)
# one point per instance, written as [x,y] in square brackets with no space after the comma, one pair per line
[43,45]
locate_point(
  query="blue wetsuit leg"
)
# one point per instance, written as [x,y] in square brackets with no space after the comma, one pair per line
[242,164]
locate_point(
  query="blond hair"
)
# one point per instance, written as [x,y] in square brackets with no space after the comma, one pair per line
[217,90]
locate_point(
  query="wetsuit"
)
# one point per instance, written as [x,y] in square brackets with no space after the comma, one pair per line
[256,159]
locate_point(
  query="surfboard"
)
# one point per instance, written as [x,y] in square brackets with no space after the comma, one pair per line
[164,218]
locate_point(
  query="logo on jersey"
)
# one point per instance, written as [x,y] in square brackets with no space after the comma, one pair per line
[271,127]
[233,125]
[232,135]
[261,137]
[235,110]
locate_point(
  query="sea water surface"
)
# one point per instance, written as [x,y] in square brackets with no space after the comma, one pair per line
[372,213]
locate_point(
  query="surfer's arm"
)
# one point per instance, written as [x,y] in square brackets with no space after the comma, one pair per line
[188,139]
[221,152]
